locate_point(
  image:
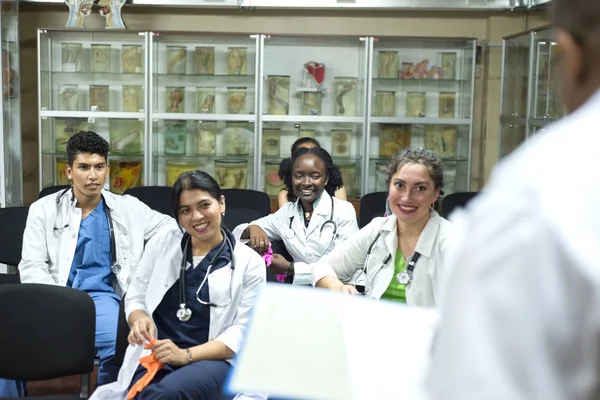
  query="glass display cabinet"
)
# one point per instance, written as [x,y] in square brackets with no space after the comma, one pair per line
[421,94]
[529,100]
[11,169]
[204,103]
[93,80]
[233,104]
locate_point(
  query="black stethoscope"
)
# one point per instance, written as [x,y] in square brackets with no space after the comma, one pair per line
[114,265]
[290,233]
[404,278]
[184,313]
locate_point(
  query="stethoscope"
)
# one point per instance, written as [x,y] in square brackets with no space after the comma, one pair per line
[290,233]
[184,313]
[114,265]
[404,278]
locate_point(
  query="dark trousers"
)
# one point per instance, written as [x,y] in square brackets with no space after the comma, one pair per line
[201,380]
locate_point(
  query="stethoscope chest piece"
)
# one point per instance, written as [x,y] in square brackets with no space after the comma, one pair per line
[404,277]
[289,234]
[116,268]
[184,313]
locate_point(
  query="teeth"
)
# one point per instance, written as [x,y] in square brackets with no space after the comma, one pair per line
[408,208]
[201,226]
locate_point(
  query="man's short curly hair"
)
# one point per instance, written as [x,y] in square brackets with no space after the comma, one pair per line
[86,142]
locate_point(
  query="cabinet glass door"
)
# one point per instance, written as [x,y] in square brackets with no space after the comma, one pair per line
[11,171]
[512,136]
[93,81]
[313,87]
[421,95]
[545,101]
[203,107]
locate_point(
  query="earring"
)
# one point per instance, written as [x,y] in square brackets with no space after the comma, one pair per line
[223,213]
[432,206]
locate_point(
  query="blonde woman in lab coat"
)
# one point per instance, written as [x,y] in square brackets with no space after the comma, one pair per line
[190,300]
[402,254]
[311,226]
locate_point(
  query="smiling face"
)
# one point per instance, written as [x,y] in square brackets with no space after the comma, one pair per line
[88,174]
[200,215]
[412,192]
[309,177]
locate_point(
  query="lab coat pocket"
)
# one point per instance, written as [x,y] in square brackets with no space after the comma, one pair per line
[219,286]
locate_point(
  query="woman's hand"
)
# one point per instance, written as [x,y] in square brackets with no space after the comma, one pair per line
[258,239]
[347,289]
[279,264]
[167,352]
[141,330]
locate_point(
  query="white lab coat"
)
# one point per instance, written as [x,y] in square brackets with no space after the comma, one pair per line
[520,317]
[48,252]
[308,246]
[352,256]
[159,270]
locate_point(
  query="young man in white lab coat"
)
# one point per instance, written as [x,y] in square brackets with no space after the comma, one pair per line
[521,316]
[88,239]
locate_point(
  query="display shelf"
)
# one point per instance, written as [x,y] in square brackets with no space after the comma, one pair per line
[314,119]
[421,121]
[92,114]
[203,117]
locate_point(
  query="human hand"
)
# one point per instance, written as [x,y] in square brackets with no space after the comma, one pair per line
[142,330]
[258,239]
[279,264]
[347,289]
[167,352]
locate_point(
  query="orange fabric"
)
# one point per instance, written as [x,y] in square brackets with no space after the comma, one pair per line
[152,366]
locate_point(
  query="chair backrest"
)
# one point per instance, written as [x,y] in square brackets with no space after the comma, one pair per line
[51,189]
[157,198]
[251,199]
[47,332]
[12,226]
[235,216]
[10,279]
[456,200]
[371,205]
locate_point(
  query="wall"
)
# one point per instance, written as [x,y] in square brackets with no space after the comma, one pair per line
[485,27]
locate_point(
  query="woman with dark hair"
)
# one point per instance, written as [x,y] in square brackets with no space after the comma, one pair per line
[402,255]
[285,168]
[309,227]
[189,301]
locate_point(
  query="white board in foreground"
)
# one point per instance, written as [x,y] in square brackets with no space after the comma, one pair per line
[315,344]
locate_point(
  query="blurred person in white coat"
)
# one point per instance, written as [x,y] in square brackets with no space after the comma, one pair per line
[189,302]
[520,318]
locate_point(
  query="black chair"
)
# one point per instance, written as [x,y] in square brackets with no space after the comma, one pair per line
[122,333]
[456,200]
[251,199]
[12,226]
[157,198]
[52,189]
[48,332]
[235,216]
[371,205]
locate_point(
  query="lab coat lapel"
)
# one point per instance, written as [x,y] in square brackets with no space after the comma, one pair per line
[298,222]
[390,229]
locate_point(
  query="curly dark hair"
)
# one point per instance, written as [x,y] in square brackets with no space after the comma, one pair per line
[334,176]
[86,142]
[425,157]
[285,166]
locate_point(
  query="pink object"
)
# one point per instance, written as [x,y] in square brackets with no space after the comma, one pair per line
[268,257]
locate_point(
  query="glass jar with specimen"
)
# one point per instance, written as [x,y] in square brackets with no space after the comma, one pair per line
[61,173]
[176,59]
[236,100]
[350,177]
[441,139]
[388,64]
[311,103]
[175,99]
[237,61]
[311,133]
[99,98]
[131,59]
[385,102]
[125,175]
[345,96]
[64,128]
[415,104]
[447,61]
[71,57]
[341,142]
[68,98]
[133,98]
[231,173]
[278,89]
[205,100]
[101,58]
[273,184]
[204,60]
[176,168]
[175,134]
[271,138]
[447,105]
[381,176]
[393,138]
[126,136]
[237,137]
[206,138]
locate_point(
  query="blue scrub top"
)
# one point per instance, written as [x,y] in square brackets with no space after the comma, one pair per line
[90,270]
